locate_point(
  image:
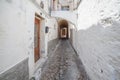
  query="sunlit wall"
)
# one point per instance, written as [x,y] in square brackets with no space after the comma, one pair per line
[90,12]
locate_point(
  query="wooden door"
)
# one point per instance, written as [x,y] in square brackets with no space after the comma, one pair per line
[37,40]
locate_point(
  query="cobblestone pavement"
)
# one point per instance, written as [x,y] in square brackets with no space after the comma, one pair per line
[63,64]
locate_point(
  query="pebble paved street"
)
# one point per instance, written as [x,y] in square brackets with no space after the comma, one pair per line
[63,64]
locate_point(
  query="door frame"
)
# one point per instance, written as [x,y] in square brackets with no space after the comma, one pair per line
[37,20]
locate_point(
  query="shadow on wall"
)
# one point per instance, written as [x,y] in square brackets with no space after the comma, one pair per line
[99,50]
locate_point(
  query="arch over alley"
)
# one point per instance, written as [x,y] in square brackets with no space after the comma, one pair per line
[63,30]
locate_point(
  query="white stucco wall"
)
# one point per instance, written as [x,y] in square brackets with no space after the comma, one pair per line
[53,29]
[97,39]
[46,4]
[17,33]
[99,50]
[94,11]
[12,34]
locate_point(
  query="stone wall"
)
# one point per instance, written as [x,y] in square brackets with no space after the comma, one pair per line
[99,50]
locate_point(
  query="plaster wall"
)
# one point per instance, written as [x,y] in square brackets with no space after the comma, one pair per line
[17,34]
[53,29]
[97,38]
[13,41]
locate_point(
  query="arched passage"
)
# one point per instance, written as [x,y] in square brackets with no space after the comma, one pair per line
[63,29]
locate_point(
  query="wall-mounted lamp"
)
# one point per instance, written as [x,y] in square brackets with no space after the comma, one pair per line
[46,29]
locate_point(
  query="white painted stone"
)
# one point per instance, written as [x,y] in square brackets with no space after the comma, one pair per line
[97,38]
[99,50]
[17,33]
[53,28]
[90,12]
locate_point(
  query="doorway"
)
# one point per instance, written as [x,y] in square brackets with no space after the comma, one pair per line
[63,32]
[63,29]
[37,39]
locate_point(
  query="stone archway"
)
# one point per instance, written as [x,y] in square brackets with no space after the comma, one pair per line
[63,29]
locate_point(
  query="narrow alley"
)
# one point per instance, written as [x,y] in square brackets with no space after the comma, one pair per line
[63,64]
[59,39]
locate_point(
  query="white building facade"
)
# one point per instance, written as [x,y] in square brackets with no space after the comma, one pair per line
[30,30]
[24,38]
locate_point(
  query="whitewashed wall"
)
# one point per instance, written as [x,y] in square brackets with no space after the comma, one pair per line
[97,39]
[13,42]
[46,4]
[17,33]
[53,29]
[94,11]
